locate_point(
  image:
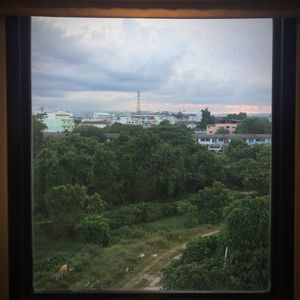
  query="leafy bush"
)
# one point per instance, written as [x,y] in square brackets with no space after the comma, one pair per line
[51,263]
[202,265]
[135,214]
[169,209]
[95,229]
[65,205]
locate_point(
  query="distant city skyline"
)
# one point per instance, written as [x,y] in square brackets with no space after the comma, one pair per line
[177,65]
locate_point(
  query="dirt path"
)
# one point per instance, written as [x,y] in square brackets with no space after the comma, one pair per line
[149,278]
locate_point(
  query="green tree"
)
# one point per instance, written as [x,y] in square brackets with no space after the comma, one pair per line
[66,208]
[91,131]
[164,122]
[254,126]
[248,167]
[202,265]
[239,116]
[95,229]
[94,205]
[37,134]
[210,203]
[207,118]
[190,210]
[222,130]
[46,173]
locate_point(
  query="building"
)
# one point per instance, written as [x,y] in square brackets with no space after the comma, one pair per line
[213,128]
[217,142]
[144,120]
[59,121]
[94,122]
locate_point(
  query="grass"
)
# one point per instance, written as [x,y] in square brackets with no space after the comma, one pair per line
[96,267]
[168,223]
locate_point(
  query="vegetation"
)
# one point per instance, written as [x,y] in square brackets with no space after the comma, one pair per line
[205,265]
[99,205]
[222,130]
[207,118]
[254,125]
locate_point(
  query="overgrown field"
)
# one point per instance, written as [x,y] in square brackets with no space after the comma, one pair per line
[98,267]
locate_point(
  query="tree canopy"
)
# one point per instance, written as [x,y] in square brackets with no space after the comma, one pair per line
[254,126]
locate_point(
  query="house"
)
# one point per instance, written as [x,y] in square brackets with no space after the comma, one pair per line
[59,121]
[217,142]
[213,128]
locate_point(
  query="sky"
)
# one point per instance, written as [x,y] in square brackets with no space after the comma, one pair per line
[86,64]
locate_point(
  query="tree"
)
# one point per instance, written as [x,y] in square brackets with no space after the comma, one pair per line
[207,118]
[95,229]
[248,168]
[222,130]
[37,134]
[94,205]
[46,173]
[202,264]
[254,126]
[164,122]
[240,116]
[66,208]
[211,201]
[91,131]
[190,210]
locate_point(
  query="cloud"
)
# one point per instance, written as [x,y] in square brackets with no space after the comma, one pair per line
[172,62]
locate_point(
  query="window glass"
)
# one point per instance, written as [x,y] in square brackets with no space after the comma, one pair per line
[138,183]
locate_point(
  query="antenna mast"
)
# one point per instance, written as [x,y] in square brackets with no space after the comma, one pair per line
[138,106]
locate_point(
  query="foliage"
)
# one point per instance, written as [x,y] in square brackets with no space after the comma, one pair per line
[210,202]
[254,126]
[66,204]
[248,168]
[190,211]
[222,130]
[164,122]
[202,265]
[95,229]
[94,205]
[37,134]
[141,175]
[239,116]
[207,118]
[90,131]
[135,214]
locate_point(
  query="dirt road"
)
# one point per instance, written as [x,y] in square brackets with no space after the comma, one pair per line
[149,278]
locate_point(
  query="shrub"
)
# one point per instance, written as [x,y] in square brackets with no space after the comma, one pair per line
[95,229]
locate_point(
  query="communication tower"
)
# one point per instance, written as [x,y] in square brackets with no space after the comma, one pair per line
[138,106]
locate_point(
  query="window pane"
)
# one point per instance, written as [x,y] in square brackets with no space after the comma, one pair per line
[151,154]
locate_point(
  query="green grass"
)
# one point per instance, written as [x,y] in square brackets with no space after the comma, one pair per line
[176,222]
[96,267]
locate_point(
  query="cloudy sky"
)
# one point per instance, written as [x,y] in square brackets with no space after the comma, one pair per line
[100,64]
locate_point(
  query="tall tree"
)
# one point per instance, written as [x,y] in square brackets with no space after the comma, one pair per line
[37,134]
[66,208]
[207,118]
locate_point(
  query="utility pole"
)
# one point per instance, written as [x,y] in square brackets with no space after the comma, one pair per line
[225,256]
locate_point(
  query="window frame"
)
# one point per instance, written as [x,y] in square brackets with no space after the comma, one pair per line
[19,173]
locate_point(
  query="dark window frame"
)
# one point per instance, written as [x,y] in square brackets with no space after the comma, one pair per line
[19,173]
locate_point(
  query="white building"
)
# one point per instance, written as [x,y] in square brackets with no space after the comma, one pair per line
[101,116]
[59,121]
[94,122]
[143,120]
[195,117]
[217,142]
